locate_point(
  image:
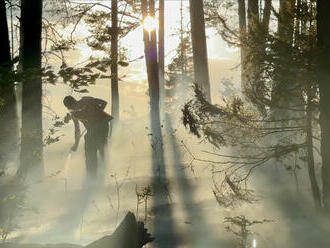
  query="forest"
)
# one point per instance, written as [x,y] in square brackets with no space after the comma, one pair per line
[164,123]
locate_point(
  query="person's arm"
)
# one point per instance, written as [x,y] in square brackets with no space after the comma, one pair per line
[98,103]
[77,134]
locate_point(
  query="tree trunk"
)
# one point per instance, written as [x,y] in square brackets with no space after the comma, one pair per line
[182,47]
[31,140]
[266,16]
[298,23]
[5,57]
[242,17]
[253,16]
[310,155]
[323,30]
[252,47]
[265,25]
[8,116]
[243,33]
[162,218]
[150,42]
[8,126]
[198,37]
[284,94]
[161,48]
[144,9]
[114,61]
[254,39]
[154,61]
[154,81]
[286,21]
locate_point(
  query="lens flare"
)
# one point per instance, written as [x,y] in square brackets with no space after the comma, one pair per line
[150,23]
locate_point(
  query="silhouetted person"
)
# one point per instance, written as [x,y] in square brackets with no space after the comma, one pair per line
[90,111]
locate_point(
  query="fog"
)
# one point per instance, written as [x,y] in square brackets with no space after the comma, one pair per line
[65,207]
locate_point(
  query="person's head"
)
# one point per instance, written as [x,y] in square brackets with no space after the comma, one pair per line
[69,102]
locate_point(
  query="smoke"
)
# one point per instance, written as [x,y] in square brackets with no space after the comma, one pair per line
[65,207]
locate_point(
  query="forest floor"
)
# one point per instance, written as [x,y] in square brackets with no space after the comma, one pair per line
[64,208]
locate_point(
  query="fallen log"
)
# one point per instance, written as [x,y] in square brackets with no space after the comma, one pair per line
[129,234]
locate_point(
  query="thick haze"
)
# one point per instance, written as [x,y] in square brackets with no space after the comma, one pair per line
[61,209]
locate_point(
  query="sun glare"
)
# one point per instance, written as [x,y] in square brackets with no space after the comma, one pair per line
[150,23]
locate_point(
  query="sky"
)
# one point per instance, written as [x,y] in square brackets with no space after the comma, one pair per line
[217,48]
[223,60]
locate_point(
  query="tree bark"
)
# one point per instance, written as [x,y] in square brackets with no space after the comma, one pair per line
[243,33]
[286,20]
[252,47]
[310,154]
[298,23]
[144,9]
[198,37]
[114,61]
[161,48]
[30,59]
[4,34]
[154,83]
[283,95]
[266,16]
[8,114]
[253,15]
[150,42]
[160,197]
[154,61]
[254,39]
[242,16]
[323,30]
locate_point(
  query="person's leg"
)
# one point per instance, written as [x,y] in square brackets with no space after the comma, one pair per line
[90,154]
[102,138]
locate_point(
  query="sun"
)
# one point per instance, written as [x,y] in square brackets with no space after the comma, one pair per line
[150,23]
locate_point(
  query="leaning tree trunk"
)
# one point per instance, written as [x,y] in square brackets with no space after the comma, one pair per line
[8,115]
[198,37]
[114,61]
[323,30]
[31,140]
